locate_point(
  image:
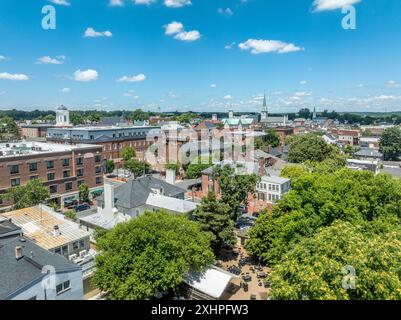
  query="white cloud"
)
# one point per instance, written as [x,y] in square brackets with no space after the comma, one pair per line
[49,60]
[146,2]
[268,46]
[326,5]
[230,46]
[174,28]
[85,76]
[393,84]
[302,94]
[176,3]
[91,33]
[2,93]
[116,3]
[61,2]
[227,97]
[65,90]
[227,11]
[3,58]
[14,77]
[188,36]
[138,78]
[213,85]
[177,29]
[303,82]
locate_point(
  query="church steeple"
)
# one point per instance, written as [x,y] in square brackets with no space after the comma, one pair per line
[264,113]
[264,103]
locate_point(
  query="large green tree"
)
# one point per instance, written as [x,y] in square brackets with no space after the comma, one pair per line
[236,186]
[344,262]
[310,147]
[390,143]
[150,255]
[32,194]
[128,153]
[319,197]
[83,191]
[214,218]
[136,167]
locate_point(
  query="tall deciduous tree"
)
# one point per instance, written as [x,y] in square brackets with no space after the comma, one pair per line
[83,190]
[214,218]
[138,168]
[128,153]
[32,194]
[390,143]
[310,147]
[150,255]
[235,188]
[344,262]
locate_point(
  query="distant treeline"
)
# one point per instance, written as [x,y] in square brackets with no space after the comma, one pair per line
[78,117]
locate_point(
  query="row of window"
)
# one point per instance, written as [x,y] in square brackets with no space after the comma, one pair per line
[50,164]
[131,144]
[268,186]
[268,197]
[53,189]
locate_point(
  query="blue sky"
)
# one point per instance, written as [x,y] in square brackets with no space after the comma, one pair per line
[217,55]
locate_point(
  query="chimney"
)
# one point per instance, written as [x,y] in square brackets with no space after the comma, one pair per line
[108,200]
[170,176]
[18,252]
[56,231]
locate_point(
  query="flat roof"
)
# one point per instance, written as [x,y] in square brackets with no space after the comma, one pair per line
[12,150]
[104,128]
[213,281]
[275,179]
[38,225]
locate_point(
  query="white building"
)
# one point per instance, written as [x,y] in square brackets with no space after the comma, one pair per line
[62,117]
[272,188]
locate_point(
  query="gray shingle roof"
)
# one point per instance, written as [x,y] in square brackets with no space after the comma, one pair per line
[135,192]
[17,274]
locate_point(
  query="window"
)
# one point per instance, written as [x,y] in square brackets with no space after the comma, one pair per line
[53,189]
[15,182]
[79,182]
[33,166]
[98,158]
[62,287]
[98,170]
[57,250]
[80,161]
[75,245]
[68,186]
[99,180]
[66,162]
[33,177]
[50,164]
[81,244]
[80,172]
[51,176]
[14,169]
[66,174]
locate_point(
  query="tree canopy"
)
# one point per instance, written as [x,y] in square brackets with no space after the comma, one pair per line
[303,236]
[235,187]
[310,147]
[390,143]
[214,218]
[128,153]
[138,168]
[150,255]
[32,194]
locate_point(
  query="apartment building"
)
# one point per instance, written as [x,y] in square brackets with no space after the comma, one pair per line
[62,168]
[112,139]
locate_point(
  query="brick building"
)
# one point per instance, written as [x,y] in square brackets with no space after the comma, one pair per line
[112,139]
[62,168]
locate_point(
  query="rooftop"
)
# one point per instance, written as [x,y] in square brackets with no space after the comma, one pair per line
[11,150]
[275,179]
[17,274]
[38,225]
[170,204]
[111,127]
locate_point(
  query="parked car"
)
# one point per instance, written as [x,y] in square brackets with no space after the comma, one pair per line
[82,207]
[247,278]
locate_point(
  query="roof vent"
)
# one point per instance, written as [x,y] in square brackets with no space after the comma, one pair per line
[56,231]
[18,253]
